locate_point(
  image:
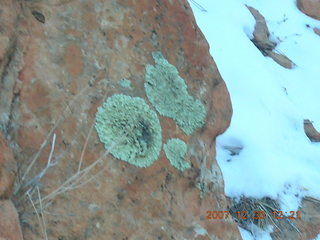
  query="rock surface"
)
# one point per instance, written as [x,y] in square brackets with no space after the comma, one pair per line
[59,61]
[261,32]
[317,31]
[9,222]
[8,169]
[305,227]
[310,8]
[68,57]
[310,131]
[263,43]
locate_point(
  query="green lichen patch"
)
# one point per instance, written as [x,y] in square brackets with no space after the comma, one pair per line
[203,189]
[125,83]
[176,150]
[129,129]
[168,93]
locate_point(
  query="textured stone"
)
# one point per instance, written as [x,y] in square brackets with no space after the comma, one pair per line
[263,43]
[65,69]
[73,60]
[317,31]
[310,131]
[310,8]
[9,222]
[8,41]
[8,169]
[281,59]
[306,227]
[261,32]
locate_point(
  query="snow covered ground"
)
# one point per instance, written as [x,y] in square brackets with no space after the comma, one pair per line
[269,102]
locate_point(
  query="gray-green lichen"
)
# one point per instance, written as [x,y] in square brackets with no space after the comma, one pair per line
[203,189]
[168,93]
[129,129]
[176,150]
[125,83]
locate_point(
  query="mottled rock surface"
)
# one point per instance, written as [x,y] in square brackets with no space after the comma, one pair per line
[305,227]
[8,169]
[310,8]
[310,131]
[261,32]
[62,60]
[9,222]
[263,43]
[317,31]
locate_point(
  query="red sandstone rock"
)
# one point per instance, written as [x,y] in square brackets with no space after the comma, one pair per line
[261,32]
[310,8]
[281,59]
[9,222]
[60,71]
[263,43]
[310,219]
[8,42]
[73,59]
[317,31]
[310,131]
[67,67]
[8,169]
[303,228]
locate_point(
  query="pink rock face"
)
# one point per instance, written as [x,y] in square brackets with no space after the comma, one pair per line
[8,169]
[310,8]
[70,57]
[317,31]
[305,227]
[310,131]
[59,61]
[263,43]
[9,222]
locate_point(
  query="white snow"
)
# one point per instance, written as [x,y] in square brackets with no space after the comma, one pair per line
[317,238]
[257,233]
[269,102]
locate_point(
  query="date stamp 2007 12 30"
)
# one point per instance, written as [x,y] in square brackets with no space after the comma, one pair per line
[256,215]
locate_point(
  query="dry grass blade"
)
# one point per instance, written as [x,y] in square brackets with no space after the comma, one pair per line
[45,142]
[312,199]
[266,206]
[269,209]
[268,212]
[77,180]
[49,165]
[198,6]
[30,186]
[42,215]
[44,232]
[85,147]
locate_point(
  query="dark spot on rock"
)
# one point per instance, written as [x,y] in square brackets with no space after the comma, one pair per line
[120,196]
[146,135]
[168,178]
[39,16]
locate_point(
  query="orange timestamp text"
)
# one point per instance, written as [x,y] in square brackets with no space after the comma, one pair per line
[255,215]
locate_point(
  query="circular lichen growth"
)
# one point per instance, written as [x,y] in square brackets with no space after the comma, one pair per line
[129,129]
[176,150]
